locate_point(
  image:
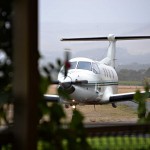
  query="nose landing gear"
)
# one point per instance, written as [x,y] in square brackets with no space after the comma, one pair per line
[72,104]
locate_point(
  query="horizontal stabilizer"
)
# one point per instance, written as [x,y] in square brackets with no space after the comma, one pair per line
[107,38]
[132,37]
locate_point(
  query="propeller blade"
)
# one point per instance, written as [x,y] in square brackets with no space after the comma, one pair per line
[54,82]
[66,64]
[80,82]
[75,82]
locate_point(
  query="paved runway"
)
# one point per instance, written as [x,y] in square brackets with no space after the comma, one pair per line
[134,105]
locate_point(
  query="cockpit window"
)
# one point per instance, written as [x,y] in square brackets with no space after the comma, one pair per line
[73,65]
[84,65]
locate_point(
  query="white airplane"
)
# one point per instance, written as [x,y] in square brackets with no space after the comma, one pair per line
[92,82]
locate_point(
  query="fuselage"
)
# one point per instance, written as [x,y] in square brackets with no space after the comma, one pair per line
[98,79]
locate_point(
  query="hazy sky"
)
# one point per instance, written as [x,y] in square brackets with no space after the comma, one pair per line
[82,18]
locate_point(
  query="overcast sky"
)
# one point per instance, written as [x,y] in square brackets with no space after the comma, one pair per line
[88,18]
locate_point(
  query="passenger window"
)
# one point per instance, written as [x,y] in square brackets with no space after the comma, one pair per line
[104,72]
[112,74]
[109,73]
[84,65]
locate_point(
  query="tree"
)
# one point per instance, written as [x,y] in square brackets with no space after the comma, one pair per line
[6,71]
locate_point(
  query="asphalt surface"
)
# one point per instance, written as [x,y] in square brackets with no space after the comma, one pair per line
[135,105]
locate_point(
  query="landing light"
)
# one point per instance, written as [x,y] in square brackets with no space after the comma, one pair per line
[73,106]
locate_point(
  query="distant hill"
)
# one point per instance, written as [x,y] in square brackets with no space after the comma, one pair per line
[124,60]
[133,66]
[123,57]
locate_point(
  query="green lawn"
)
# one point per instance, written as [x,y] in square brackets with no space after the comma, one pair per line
[110,143]
[134,83]
[120,143]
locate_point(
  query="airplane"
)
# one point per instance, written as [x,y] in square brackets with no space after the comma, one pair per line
[91,82]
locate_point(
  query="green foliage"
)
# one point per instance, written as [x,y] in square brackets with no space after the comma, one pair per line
[6,70]
[120,143]
[131,83]
[5,45]
[6,147]
[53,134]
[143,114]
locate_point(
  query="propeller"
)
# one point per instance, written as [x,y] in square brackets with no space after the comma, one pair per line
[67,64]
[67,84]
[77,82]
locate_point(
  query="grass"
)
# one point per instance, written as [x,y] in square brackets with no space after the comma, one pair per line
[131,83]
[119,143]
[110,143]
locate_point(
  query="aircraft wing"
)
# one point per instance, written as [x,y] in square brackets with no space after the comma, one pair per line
[51,98]
[122,97]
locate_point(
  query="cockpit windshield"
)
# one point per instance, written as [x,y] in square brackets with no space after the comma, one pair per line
[84,65]
[73,65]
[80,65]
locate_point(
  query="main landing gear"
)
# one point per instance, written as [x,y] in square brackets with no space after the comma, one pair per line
[114,105]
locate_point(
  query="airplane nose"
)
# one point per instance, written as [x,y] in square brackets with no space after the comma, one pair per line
[67,86]
[67,82]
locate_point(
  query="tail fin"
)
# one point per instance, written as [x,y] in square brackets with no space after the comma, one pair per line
[110,58]
[111,53]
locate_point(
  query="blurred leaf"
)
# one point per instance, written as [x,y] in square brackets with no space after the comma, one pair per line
[44,84]
[141,98]
[59,63]
[56,113]
[77,119]
[4,97]
[51,66]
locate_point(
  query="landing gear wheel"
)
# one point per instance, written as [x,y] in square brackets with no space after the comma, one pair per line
[114,105]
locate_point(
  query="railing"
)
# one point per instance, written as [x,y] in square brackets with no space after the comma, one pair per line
[100,137]
[120,137]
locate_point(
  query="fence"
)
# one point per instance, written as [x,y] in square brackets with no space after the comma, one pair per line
[116,136]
